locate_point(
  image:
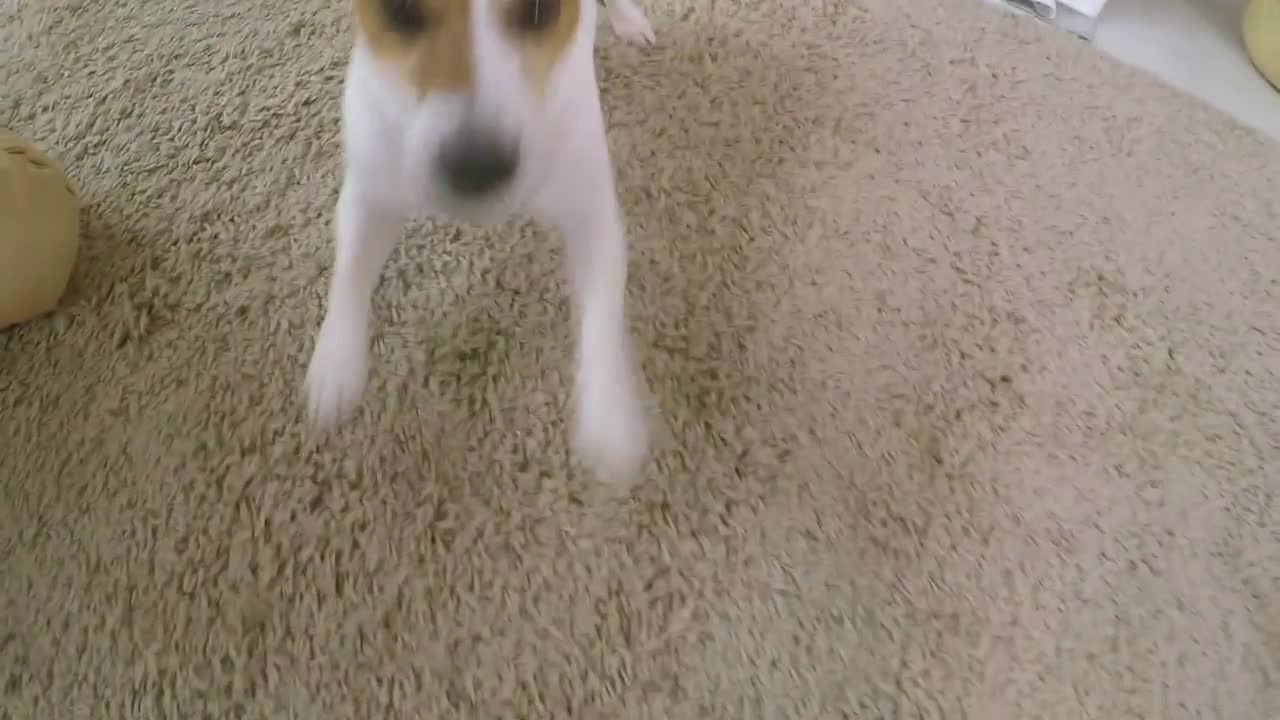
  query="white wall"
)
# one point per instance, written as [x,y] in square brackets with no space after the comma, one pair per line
[1194,45]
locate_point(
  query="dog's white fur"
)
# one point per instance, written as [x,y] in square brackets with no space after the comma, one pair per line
[564,179]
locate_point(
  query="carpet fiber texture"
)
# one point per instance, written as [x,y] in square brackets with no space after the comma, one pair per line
[966,343]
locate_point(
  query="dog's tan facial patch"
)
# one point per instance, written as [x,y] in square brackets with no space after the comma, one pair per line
[543,30]
[430,41]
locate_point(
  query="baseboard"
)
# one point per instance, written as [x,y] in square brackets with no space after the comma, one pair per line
[1079,17]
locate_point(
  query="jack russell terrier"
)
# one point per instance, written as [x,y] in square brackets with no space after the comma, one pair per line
[480,110]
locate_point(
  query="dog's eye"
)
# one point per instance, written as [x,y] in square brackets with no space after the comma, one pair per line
[535,15]
[406,16]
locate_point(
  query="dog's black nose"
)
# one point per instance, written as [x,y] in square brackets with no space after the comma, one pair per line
[476,164]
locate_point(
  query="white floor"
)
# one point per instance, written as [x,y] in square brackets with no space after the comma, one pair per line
[1195,46]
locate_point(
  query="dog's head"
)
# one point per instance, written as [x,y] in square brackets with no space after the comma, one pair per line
[482,75]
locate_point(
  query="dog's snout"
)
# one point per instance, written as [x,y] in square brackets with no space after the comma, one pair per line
[476,164]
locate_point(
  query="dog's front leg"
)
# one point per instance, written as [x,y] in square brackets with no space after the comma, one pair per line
[610,428]
[365,234]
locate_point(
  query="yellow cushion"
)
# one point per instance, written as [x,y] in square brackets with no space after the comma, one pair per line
[39,231]
[1261,29]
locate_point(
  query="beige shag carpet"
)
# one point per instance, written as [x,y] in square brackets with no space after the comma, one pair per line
[966,339]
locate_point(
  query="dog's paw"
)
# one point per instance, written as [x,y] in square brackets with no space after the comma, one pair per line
[630,24]
[611,431]
[337,374]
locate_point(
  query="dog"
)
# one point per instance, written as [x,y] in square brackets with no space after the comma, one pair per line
[481,110]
